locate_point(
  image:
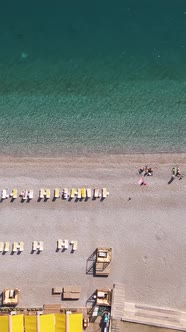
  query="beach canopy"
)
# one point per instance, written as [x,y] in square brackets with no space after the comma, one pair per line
[41,323]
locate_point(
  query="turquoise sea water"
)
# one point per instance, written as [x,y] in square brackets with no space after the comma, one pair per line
[87,77]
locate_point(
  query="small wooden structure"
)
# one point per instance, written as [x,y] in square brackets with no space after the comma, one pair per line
[103,297]
[71,292]
[10,296]
[103,260]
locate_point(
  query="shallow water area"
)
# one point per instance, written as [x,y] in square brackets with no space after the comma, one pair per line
[106,79]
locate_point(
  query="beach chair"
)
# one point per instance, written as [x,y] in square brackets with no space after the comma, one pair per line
[14,247]
[74,245]
[83,193]
[4,194]
[21,246]
[65,244]
[59,244]
[79,193]
[1,246]
[65,193]
[47,193]
[88,193]
[41,193]
[105,193]
[40,246]
[96,193]
[174,171]
[30,194]
[25,195]
[14,194]
[6,246]
[34,245]
[56,193]
[73,193]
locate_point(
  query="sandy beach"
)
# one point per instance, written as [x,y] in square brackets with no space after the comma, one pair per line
[147,232]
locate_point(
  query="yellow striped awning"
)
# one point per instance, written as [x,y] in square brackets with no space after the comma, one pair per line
[60,323]
[17,323]
[75,322]
[4,323]
[30,324]
[47,323]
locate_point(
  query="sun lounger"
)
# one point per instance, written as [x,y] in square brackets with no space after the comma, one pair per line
[21,246]
[83,192]
[30,194]
[65,193]
[34,245]
[6,246]
[65,244]
[4,194]
[25,194]
[41,193]
[88,193]
[79,193]
[74,245]
[96,193]
[47,193]
[105,193]
[59,244]
[73,193]
[40,246]
[14,193]
[1,246]
[174,171]
[56,193]
[14,246]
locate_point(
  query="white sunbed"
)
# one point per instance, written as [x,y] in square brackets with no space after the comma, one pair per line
[41,193]
[4,194]
[40,246]
[74,245]
[21,246]
[14,246]
[79,193]
[88,193]
[59,244]
[96,193]
[65,244]
[47,193]
[34,245]
[56,193]
[65,193]
[6,246]
[30,194]
[25,194]
[105,193]
[1,246]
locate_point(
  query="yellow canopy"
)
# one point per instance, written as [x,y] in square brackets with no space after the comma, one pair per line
[60,323]
[17,323]
[75,322]
[4,323]
[47,323]
[30,324]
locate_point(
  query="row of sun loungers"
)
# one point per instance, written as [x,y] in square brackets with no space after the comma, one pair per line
[26,194]
[16,246]
[36,246]
[80,193]
[63,244]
